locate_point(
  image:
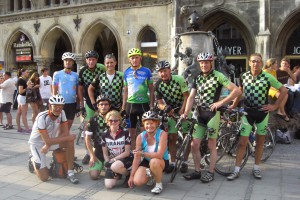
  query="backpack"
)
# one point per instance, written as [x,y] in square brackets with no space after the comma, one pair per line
[59,165]
[283,137]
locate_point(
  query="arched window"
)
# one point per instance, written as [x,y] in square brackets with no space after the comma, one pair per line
[149,47]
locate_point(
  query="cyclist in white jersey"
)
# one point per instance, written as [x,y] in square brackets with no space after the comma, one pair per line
[49,132]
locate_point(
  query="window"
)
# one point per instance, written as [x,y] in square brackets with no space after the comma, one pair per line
[149,48]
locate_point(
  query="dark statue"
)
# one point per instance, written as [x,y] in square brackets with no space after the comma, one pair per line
[195,21]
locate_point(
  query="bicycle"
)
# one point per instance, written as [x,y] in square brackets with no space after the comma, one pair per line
[80,134]
[227,144]
[182,149]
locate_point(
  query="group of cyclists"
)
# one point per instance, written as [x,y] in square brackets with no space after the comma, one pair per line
[142,158]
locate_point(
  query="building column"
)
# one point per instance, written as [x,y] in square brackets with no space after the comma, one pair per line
[79,61]
[263,36]
[15,5]
[23,5]
[42,62]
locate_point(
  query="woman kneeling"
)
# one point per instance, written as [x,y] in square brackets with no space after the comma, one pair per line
[152,146]
[116,150]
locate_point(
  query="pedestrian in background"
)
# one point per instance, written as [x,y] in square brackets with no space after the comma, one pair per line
[22,105]
[6,98]
[45,88]
[33,96]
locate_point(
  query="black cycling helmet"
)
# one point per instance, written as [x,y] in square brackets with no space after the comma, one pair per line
[91,54]
[150,115]
[162,65]
[103,98]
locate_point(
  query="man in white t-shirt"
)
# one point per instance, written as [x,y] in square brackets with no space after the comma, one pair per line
[45,86]
[6,98]
[49,132]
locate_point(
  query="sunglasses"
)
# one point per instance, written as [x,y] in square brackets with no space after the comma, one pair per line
[113,120]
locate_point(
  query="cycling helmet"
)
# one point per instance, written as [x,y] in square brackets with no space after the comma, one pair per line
[91,54]
[102,98]
[57,99]
[150,115]
[162,65]
[68,55]
[205,56]
[134,52]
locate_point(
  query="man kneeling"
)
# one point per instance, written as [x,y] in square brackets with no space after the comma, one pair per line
[49,132]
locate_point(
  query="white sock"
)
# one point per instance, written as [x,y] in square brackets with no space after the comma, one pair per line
[237,169]
[70,172]
[159,184]
[256,167]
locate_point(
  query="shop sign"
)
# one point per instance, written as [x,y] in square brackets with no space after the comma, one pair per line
[233,46]
[296,51]
[23,54]
[22,44]
[233,50]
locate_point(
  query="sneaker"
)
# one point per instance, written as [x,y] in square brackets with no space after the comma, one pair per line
[72,178]
[8,127]
[30,165]
[192,176]
[150,181]
[257,173]
[4,125]
[170,168]
[233,176]
[157,189]
[207,177]
[184,168]
[86,159]
[27,132]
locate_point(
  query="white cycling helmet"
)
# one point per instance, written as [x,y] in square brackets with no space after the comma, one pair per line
[150,115]
[68,55]
[57,99]
[205,56]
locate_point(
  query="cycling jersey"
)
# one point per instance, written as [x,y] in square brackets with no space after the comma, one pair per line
[255,89]
[67,85]
[171,92]
[209,87]
[157,137]
[137,82]
[115,146]
[112,89]
[44,122]
[86,77]
[96,128]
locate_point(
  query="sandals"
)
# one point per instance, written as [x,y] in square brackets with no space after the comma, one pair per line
[207,177]
[284,117]
[192,176]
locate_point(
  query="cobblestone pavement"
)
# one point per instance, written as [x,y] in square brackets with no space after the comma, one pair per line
[281,178]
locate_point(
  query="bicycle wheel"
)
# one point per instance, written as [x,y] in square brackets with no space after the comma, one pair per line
[226,148]
[180,157]
[269,145]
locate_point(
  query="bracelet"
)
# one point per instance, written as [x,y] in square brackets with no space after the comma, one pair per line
[143,154]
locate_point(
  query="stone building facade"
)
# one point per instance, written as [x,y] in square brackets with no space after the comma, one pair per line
[35,33]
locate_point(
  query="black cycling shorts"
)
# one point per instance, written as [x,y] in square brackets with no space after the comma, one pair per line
[135,111]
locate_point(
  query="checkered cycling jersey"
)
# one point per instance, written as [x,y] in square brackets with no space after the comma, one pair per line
[172,91]
[255,89]
[113,90]
[86,76]
[96,127]
[209,87]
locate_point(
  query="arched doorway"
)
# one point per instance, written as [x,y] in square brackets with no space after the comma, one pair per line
[293,48]
[20,52]
[102,39]
[54,44]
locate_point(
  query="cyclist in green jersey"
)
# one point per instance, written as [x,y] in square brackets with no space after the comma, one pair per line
[207,86]
[171,93]
[255,85]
